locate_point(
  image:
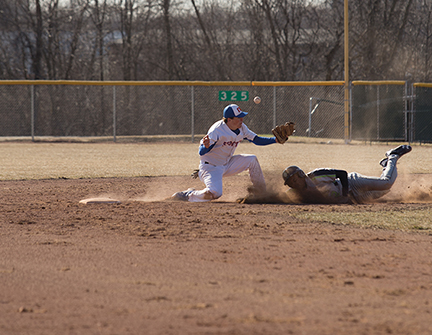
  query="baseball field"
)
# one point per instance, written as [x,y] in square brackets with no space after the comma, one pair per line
[149,265]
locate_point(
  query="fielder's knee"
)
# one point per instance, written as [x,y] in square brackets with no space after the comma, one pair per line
[254,158]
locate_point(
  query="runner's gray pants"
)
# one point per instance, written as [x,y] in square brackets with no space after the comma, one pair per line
[364,189]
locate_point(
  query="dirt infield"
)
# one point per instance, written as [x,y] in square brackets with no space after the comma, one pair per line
[148,266]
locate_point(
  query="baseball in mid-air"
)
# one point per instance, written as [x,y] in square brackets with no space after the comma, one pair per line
[257,100]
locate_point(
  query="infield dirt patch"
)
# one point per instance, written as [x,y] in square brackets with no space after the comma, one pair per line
[148,266]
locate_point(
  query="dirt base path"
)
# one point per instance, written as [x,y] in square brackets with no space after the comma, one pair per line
[161,267]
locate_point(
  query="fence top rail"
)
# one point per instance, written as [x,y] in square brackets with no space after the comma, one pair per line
[207,83]
[298,83]
[172,83]
[379,82]
[125,83]
[422,84]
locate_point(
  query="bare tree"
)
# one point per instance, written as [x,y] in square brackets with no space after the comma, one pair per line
[62,28]
[377,32]
[213,39]
[290,35]
[217,38]
[39,43]
[135,22]
[27,35]
[44,36]
[259,60]
[421,59]
[77,22]
[166,15]
[330,17]
[127,13]
[428,42]
[98,13]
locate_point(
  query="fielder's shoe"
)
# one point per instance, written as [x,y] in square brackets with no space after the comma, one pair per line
[400,151]
[182,196]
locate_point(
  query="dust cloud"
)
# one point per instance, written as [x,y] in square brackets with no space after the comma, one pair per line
[408,188]
[411,189]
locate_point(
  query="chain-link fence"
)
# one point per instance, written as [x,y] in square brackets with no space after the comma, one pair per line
[379,111]
[422,123]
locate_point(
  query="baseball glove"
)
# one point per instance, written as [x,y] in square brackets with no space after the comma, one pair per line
[195,174]
[282,132]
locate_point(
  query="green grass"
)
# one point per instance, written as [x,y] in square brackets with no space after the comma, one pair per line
[406,220]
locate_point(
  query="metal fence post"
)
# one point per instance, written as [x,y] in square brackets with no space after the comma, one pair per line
[406,112]
[192,113]
[32,111]
[274,106]
[409,111]
[114,115]
[378,113]
[309,130]
[412,111]
[350,110]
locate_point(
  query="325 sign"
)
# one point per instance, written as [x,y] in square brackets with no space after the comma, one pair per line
[233,96]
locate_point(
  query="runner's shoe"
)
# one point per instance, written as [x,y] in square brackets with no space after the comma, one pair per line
[183,195]
[399,151]
[383,162]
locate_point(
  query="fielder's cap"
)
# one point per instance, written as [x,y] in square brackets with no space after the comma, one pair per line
[289,172]
[233,111]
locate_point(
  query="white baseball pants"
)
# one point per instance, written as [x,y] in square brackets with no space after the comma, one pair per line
[212,175]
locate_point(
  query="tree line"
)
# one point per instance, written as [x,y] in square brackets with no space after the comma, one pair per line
[214,40]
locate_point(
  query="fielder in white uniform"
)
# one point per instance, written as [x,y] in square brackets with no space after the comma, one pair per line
[338,186]
[218,160]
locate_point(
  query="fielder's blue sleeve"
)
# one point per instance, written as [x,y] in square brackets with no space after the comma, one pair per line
[203,150]
[259,140]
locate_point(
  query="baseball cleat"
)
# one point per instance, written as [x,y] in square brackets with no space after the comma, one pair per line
[183,195]
[400,150]
[383,162]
